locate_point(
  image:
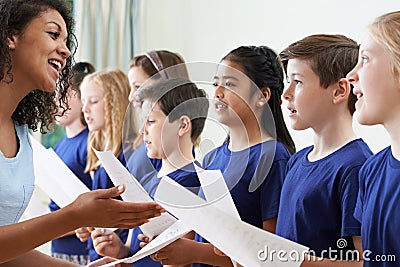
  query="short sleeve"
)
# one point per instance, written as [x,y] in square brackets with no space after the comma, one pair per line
[271,190]
[348,193]
[358,212]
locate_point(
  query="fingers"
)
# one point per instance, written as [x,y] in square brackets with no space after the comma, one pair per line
[143,238]
[82,233]
[140,207]
[110,192]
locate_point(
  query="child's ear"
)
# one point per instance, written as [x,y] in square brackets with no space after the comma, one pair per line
[185,125]
[341,91]
[264,97]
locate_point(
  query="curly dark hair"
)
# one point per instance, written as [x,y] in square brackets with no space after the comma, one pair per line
[38,108]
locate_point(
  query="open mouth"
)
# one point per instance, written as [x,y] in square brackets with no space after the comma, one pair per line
[55,64]
[292,110]
[219,106]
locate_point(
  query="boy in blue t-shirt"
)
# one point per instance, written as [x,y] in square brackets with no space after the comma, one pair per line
[174,112]
[320,189]
[376,83]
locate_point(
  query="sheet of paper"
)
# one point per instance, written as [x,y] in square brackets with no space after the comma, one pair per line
[216,191]
[242,242]
[35,208]
[54,177]
[172,233]
[134,192]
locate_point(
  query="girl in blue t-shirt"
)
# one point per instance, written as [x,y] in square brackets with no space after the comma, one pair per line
[248,88]
[72,150]
[104,97]
[376,83]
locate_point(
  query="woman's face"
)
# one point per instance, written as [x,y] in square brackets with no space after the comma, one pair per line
[39,53]
[92,96]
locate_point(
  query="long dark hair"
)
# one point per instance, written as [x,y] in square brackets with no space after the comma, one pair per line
[38,107]
[261,65]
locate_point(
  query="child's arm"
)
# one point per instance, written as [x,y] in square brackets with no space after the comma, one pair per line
[317,262]
[186,251]
[108,243]
[270,225]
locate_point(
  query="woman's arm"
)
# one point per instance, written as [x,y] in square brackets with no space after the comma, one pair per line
[88,209]
[35,258]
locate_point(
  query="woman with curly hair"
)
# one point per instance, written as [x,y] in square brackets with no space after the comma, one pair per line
[36,40]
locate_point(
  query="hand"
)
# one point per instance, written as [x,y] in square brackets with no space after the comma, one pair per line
[177,253]
[83,233]
[107,243]
[89,209]
[144,240]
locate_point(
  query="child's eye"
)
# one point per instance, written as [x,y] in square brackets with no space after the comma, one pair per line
[297,82]
[364,59]
[229,84]
[215,84]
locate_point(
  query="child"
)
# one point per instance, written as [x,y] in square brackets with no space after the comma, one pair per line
[174,113]
[376,83]
[105,98]
[248,86]
[319,193]
[72,150]
[141,68]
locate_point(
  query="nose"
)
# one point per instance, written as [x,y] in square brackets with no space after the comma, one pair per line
[131,96]
[352,76]
[288,93]
[219,92]
[64,50]
[85,108]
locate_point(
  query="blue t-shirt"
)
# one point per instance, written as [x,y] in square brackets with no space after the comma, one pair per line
[17,179]
[186,177]
[378,209]
[101,180]
[254,177]
[73,152]
[318,198]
